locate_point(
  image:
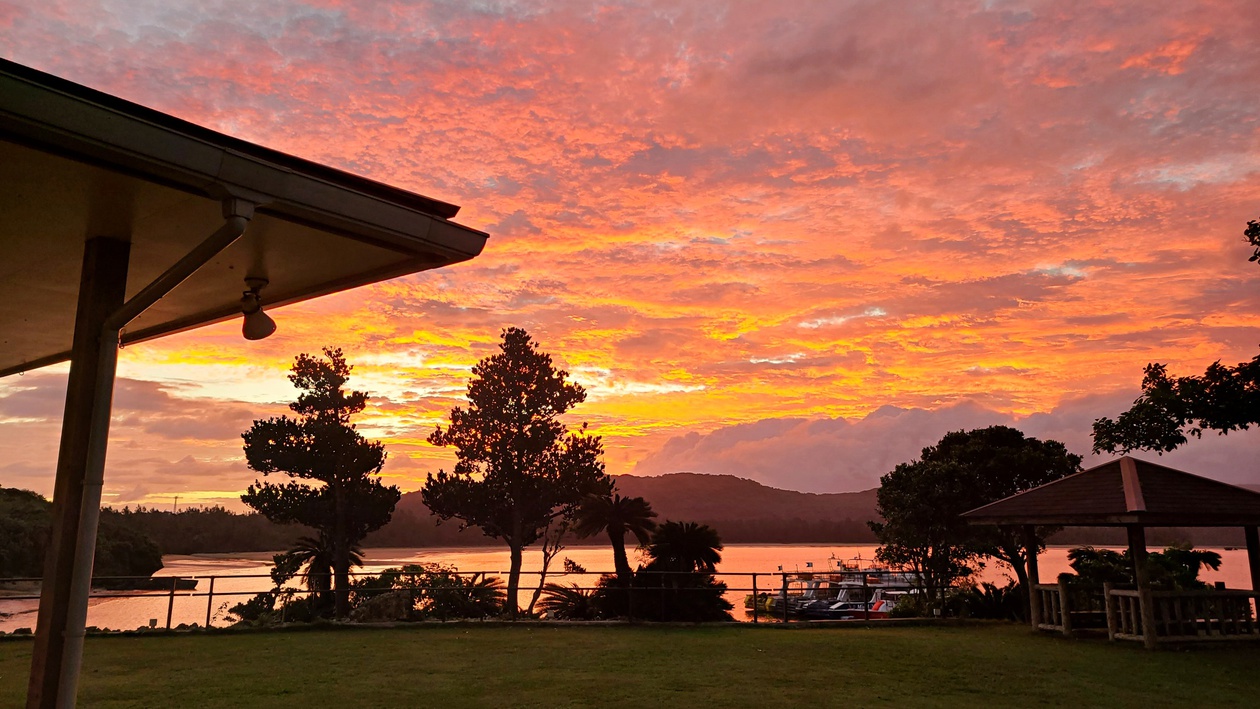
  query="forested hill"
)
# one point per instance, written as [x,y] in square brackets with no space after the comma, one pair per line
[743,511]
[121,549]
[747,511]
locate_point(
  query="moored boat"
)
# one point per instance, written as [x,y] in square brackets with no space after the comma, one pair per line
[846,588]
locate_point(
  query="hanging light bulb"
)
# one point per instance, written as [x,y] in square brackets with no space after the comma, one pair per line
[257,324]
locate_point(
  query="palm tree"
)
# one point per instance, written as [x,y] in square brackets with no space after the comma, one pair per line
[679,580]
[567,602]
[618,516]
[686,546]
[315,553]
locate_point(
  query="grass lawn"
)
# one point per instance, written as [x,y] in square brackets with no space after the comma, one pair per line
[536,666]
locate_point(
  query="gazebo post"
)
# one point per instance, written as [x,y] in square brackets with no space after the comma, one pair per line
[1034,578]
[1253,555]
[1146,604]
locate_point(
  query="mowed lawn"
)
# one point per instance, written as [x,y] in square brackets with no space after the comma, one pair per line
[540,666]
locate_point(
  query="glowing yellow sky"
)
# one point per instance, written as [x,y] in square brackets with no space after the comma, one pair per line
[712,214]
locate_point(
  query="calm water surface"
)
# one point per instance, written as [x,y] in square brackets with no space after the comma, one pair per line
[191,607]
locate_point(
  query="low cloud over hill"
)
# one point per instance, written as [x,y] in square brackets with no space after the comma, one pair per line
[840,455]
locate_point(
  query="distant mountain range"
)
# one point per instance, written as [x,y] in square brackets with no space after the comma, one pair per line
[746,511]
[742,511]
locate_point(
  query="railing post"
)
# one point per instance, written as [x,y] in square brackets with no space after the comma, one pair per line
[866,598]
[755,600]
[784,593]
[1111,616]
[209,602]
[1065,605]
[170,604]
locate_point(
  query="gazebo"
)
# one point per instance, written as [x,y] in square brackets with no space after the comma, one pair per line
[123,224]
[1136,494]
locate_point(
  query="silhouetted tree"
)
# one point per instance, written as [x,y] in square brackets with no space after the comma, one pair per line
[121,549]
[686,546]
[315,555]
[678,583]
[1000,461]
[1224,399]
[1177,567]
[921,502]
[618,516]
[518,468]
[334,486]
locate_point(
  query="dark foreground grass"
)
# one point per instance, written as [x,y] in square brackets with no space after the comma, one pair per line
[536,666]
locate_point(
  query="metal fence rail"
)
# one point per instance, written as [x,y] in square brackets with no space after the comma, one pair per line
[773,595]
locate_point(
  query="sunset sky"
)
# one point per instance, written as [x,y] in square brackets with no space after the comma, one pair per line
[791,241]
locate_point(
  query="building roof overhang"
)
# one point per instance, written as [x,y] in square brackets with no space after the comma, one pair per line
[76,163]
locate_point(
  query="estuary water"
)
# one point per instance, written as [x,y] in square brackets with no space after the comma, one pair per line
[224,570]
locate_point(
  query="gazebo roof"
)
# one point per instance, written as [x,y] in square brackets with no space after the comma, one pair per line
[1127,491]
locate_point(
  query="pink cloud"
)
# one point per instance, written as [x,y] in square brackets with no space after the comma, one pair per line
[1001,205]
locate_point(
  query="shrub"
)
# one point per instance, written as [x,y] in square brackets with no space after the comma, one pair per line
[991,601]
[568,602]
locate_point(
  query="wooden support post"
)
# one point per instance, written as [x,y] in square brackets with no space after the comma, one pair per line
[77,491]
[1065,603]
[1146,603]
[1109,605]
[1034,578]
[1253,555]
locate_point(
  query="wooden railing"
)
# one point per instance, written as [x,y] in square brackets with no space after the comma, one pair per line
[1066,608]
[1056,612]
[1181,616]
[1173,616]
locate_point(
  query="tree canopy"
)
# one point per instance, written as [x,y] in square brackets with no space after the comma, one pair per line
[1177,567]
[677,584]
[518,468]
[1224,399]
[685,547]
[921,502]
[1002,462]
[334,484]
[617,516]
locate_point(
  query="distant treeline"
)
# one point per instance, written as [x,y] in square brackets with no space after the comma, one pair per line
[202,530]
[132,539]
[25,518]
[792,531]
[208,530]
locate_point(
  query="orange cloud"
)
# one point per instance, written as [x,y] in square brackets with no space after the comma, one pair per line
[715,215]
